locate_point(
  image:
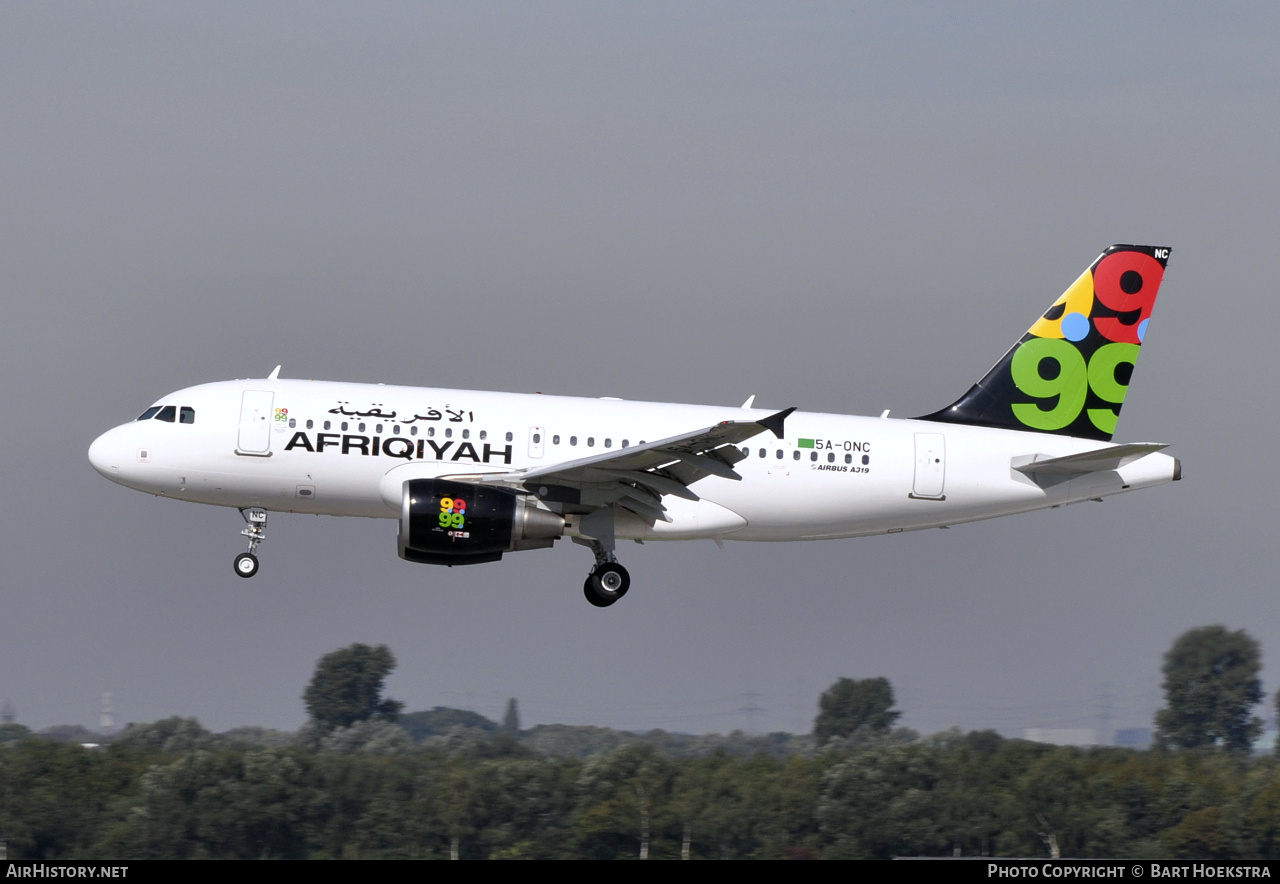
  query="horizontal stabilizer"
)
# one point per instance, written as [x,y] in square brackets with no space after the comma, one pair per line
[1096,461]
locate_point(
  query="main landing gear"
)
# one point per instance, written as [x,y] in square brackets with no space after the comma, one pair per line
[256,530]
[606,584]
[608,581]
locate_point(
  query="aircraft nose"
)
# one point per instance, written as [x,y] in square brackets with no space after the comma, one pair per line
[105,453]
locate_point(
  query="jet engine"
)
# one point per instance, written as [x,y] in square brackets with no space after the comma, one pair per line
[455,523]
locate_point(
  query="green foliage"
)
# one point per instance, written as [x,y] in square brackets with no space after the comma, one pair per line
[11,732]
[1211,685]
[976,793]
[370,737]
[855,708]
[474,790]
[347,687]
[440,721]
[170,735]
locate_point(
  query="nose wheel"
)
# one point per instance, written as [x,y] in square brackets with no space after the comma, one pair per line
[246,564]
[256,530]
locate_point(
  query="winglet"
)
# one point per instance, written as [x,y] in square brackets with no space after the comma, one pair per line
[275,374]
[773,422]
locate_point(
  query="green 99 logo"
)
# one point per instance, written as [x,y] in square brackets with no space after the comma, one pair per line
[1106,374]
[453,512]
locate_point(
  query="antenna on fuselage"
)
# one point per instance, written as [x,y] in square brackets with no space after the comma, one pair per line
[275,374]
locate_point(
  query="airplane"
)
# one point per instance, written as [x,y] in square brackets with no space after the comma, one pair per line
[471,476]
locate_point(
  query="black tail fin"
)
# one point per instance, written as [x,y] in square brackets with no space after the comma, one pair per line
[1069,373]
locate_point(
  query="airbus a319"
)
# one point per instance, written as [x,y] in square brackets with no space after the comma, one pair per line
[471,476]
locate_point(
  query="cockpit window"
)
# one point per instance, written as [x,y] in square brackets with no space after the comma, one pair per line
[168,413]
[149,413]
[187,415]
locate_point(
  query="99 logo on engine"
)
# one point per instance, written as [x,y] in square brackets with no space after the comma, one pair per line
[453,512]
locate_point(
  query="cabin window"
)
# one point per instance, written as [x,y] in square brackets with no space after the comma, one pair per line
[795,455]
[149,413]
[848,458]
[344,426]
[360,427]
[779,454]
[573,440]
[378,428]
[746,451]
[292,423]
[831,458]
[762,452]
[431,431]
[168,414]
[395,429]
[484,434]
[187,415]
[327,425]
[509,437]
[466,434]
[813,455]
[608,443]
[448,432]
[591,441]
[866,459]
[625,443]
[413,431]
[537,438]
[310,424]
[555,440]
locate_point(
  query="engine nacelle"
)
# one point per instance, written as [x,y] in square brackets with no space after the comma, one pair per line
[455,523]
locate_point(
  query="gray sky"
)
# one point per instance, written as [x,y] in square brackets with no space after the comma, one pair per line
[842,209]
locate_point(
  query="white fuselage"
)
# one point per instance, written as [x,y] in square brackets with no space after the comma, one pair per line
[346,449]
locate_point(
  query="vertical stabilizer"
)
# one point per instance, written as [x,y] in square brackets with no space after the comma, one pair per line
[1070,372]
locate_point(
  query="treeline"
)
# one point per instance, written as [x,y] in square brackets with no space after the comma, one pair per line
[361,779]
[379,796]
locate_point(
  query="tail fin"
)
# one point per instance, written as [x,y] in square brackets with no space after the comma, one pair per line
[1069,373]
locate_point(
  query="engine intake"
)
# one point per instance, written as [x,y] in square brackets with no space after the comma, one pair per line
[456,523]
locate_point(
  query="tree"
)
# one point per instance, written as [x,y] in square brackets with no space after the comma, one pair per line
[347,687]
[1211,685]
[855,706]
[511,719]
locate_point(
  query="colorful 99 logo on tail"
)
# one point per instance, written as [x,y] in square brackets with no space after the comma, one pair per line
[1071,371]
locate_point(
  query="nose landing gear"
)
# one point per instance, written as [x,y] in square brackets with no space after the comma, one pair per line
[256,530]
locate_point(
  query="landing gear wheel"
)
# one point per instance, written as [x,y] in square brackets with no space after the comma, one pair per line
[246,564]
[590,593]
[607,583]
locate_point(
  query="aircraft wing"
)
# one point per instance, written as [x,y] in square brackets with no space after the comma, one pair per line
[637,477]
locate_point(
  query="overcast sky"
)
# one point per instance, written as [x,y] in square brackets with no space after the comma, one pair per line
[840,207]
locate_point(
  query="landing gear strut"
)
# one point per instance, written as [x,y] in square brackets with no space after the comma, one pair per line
[256,530]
